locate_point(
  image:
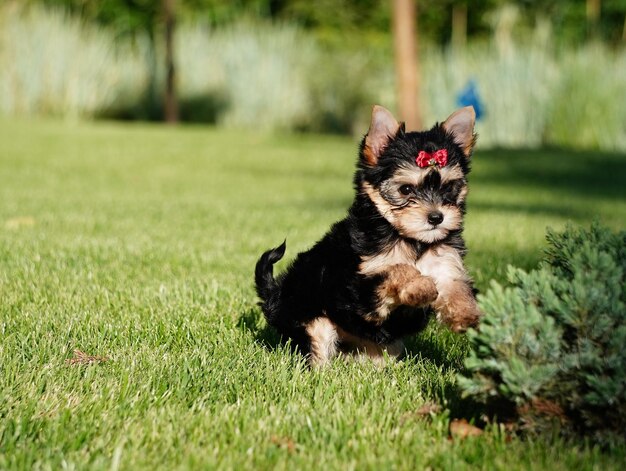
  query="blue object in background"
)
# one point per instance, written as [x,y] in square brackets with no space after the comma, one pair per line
[469,96]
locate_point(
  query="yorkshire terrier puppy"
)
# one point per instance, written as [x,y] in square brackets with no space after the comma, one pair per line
[397,257]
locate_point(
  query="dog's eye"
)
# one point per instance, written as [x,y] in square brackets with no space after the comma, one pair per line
[406,190]
[451,190]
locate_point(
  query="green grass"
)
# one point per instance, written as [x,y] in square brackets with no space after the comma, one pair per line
[138,242]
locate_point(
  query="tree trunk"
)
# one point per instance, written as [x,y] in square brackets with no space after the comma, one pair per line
[459,25]
[171,102]
[593,17]
[405,49]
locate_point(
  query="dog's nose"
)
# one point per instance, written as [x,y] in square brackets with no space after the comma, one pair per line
[435,218]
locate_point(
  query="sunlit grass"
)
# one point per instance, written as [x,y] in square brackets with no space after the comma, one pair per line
[137,243]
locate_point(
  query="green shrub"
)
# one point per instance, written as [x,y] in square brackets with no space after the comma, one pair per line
[54,64]
[551,347]
[259,70]
[588,108]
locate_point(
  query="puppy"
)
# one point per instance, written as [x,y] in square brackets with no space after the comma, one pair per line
[396,258]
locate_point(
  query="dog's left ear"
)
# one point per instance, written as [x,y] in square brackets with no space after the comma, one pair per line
[461,125]
[383,128]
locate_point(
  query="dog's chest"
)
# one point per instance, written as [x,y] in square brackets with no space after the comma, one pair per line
[400,253]
[441,262]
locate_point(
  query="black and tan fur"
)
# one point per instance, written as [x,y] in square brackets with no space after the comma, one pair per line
[396,258]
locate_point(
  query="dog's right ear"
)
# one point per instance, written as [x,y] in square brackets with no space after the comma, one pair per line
[461,125]
[383,128]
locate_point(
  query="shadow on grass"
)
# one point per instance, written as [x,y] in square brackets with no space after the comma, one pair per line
[545,209]
[447,351]
[200,108]
[590,173]
[437,345]
[426,345]
[444,349]
[252,321]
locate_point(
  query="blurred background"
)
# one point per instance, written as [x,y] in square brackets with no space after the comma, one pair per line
[542,73]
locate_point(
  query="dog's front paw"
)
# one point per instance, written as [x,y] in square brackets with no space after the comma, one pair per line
[420,291]
[459,311]
[465,320]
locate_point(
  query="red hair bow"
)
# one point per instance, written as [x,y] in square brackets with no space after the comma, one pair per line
[426,159]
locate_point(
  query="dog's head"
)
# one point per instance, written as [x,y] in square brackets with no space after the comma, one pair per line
[417,180]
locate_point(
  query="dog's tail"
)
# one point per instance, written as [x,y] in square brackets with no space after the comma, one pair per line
[266,286]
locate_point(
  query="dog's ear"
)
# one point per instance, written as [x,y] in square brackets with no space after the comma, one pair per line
[461,125]
[383,128]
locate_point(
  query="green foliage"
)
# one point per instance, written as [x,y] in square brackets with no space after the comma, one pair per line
[592,265]
[333,18]
[557,335]
[509,359]
[270,76]
[259,71]
[53,64]
[597,112]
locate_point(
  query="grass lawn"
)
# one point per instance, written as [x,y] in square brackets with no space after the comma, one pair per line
[137,243]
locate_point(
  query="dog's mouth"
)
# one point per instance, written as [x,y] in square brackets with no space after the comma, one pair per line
[429,226]
[431,234]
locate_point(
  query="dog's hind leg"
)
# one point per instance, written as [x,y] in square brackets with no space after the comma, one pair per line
[324,340]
